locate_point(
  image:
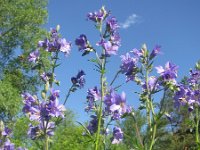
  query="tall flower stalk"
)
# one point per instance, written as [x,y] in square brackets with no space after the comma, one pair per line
[138,69]
[104,102]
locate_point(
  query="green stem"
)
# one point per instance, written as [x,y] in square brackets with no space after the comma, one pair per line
[46,142]
[197,126]
[53,69]
[68,94]
[153,136]
[100,114]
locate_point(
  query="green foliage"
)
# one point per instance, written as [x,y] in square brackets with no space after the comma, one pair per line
[10,100]
[20,22]
[69,136]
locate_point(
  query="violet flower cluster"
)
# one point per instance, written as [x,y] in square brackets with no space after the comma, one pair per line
[115,108]
[109,38]
[188,94]
[5,143]
[42,112]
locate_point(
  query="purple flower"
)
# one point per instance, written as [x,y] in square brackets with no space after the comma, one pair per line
[8,145]
[54,94]
[194,77]
[34,56]
[129,66]
[48,128]
[93,95]
[45,76]
[138,53]
[28,101]
[6,132]
[152,84]
[98,16]
[40,112]
[112,24]
[82,42]
[65,46]
[155,52]
[43,44]
[56,110]
[34,131]
[79,80]
[92,127]
[117,135]
[116,105]
[169,73]
[110,48]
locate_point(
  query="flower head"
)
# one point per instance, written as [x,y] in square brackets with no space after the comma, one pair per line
[117,135]
[128,66]
[99,16]
[155,51]
[169,72]
[34,56]
[79,80]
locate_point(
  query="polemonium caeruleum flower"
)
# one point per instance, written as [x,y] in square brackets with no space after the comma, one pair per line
[34,56]
[79,80]
[169,73]
[117,135]
[129,66]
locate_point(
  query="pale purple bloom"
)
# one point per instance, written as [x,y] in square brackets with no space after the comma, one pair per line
[34,56]
[110,48]
[65,46]
[155,51]
[115,39]
[8,145]
[79,80]
[55,109]
[6,131]
[115,105]
[93,124]
[117,135]
[98,16]
[43,44]
[152,84]
[93,95]
[129,66]
[138,53]
[169,72]
[112,24]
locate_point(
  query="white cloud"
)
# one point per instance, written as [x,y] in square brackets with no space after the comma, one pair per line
[131,20]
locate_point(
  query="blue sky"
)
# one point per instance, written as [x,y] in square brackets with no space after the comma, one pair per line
[175,25]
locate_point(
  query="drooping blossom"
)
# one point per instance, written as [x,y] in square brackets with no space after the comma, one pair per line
[34,56]
[29,101]
[82,42]
[117,135]
[93,124]
[129,66]
[79,80]
[169,73]
[155,51]
[112,24]
[46,76]
[54,94]
[110,48]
